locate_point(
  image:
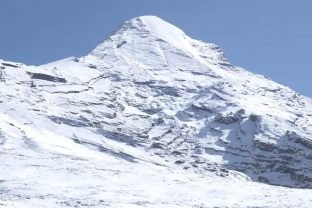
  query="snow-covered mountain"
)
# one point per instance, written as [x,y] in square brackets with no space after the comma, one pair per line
[151,118]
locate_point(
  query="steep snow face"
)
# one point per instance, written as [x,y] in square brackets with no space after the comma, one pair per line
[156,27]
[161,29]
[159,109]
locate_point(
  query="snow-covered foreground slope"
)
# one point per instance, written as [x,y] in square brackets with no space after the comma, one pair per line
[151,118]
[54,180]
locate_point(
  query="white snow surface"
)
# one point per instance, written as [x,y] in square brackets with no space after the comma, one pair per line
[151,118]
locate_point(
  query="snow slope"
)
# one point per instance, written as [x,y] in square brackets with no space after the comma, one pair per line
[151,118]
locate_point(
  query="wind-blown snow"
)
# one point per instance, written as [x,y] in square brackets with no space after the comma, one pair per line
[151,118]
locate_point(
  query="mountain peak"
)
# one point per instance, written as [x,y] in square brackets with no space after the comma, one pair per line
[146,32]
[156,26]
[151,107]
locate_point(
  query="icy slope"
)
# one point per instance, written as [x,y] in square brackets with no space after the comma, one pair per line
[159,108]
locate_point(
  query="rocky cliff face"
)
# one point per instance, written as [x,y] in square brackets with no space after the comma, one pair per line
[151,93]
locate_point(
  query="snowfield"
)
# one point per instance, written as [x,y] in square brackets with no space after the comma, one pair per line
[151,118]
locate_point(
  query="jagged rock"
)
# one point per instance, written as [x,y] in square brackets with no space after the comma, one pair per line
[10,65]
[254,117]
[265,146]
[158,145]
[46,77]
[179,162]
[227,119]
[293,136]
